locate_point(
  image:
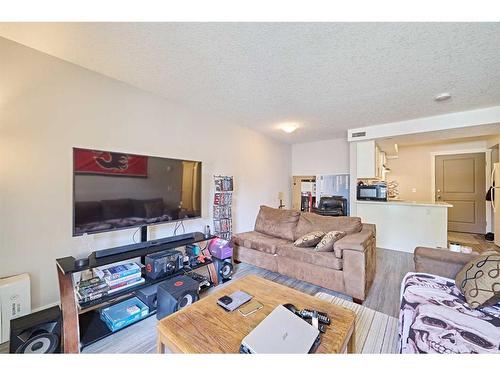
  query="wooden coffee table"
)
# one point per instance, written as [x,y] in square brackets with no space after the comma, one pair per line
[205,327]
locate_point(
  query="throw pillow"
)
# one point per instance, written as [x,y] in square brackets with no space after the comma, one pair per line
[309,239]
[327,242]
[479,280]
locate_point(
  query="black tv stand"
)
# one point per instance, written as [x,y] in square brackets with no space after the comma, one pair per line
[144,233]
[82,325]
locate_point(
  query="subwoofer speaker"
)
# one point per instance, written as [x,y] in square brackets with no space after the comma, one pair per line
[149,296]
[224,269]
[37,333]
[175,294]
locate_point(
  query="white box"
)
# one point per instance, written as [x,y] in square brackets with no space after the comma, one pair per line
[15,301]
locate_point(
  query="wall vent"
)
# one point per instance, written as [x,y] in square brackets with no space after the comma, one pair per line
[358,134]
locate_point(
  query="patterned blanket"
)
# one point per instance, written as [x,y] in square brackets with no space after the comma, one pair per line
[435,318]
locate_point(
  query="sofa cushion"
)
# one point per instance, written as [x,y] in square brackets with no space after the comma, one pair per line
[309,222]
[117,209]
[479,280]
[154,209]
[277,223]
[139,206]
[87,212]
[308,255]
[309,239]
[259,241]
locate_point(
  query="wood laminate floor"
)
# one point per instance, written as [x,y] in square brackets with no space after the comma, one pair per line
[475,241]
[383,297]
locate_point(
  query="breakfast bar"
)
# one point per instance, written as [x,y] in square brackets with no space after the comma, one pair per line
[404,225]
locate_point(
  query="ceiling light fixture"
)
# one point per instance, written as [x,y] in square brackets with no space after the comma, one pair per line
[442,97]
[289,127]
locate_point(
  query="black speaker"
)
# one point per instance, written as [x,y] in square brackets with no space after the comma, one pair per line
[37,333]
[175,294]
[148,296]
[224,269]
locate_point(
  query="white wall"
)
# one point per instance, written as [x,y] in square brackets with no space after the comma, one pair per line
[448,121]
[48,106]
[322,157]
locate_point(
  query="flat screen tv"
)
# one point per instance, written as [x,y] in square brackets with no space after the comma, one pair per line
[116,190]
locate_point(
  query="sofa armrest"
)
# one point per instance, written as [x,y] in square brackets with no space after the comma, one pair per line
[440,262]
[356,241]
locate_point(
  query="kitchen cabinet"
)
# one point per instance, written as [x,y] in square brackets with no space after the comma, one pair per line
[370,161]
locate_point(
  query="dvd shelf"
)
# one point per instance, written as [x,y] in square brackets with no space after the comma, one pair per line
[222,207]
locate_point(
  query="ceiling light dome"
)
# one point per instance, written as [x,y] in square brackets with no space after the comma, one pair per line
[442,97]
[289,127]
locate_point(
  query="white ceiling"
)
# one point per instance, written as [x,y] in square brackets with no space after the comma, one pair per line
[328,76]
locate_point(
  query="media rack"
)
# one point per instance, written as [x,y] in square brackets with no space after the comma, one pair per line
[82,325]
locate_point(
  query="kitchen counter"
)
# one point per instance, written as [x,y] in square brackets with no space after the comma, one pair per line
[407,203]
[404,225]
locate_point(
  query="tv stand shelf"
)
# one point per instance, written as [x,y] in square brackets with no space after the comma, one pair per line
[81,321]
[139,250]
[126,292]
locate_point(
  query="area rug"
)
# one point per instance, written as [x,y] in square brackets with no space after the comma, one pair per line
[375,332]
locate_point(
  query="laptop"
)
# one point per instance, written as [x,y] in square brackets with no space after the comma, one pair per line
[281,332]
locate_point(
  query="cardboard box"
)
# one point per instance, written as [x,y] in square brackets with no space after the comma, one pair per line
[15,301]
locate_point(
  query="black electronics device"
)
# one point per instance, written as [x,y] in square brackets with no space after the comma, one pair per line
[203,281]
[233,301]
[163,263]
[144,197]
[309,314]
[143,245]
[148,295]
[38,333]
[175,294]
[224,269]
[374,192]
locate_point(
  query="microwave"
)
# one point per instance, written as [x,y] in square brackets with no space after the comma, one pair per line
[377,192]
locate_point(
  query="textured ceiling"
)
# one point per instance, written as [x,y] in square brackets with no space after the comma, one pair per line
[328,76]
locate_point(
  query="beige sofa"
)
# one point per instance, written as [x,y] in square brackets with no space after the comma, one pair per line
[349,269]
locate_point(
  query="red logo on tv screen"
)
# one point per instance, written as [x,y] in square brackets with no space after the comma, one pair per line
[109,163]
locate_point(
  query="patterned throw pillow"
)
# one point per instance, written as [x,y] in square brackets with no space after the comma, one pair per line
[479,280]
[309,239]
[327,242]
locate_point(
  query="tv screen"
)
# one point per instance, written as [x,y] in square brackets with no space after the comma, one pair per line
[115,190]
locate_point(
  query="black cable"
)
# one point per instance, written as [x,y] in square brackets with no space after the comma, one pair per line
[178,225]
[133,236]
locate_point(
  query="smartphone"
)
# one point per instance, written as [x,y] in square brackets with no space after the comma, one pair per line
[233,301]
[250,308]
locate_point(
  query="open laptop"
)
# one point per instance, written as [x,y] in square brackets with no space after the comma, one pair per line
[281,332]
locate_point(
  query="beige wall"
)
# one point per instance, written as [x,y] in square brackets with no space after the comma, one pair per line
[323,157]
[413,168]
[48,106]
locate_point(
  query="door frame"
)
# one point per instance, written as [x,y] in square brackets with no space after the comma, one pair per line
[300,178]
[487,153]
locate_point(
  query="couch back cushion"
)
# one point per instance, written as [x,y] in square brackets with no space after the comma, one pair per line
[117,209]
[277,223]
[87,212]
[310,222]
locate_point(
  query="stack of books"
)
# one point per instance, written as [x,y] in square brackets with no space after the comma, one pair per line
[121,276]
[91,289]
